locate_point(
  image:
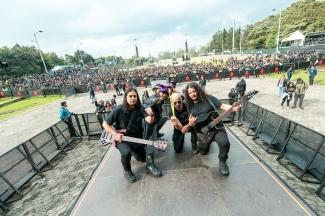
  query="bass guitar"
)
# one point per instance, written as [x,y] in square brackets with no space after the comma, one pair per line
[206,129]
[107,139]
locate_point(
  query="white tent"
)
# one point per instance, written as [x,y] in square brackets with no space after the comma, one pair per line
[297,38]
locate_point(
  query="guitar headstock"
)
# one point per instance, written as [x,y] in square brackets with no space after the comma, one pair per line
[246,97]
[160,144]
[249,95]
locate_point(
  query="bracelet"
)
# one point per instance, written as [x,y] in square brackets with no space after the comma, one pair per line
[151,115]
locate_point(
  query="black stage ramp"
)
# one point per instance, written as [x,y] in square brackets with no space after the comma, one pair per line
[191,185]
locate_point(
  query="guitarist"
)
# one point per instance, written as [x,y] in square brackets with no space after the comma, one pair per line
[121,116]
[199,106]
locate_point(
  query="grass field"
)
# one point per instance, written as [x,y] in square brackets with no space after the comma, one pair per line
[25,105]
[4,100]
[319,79]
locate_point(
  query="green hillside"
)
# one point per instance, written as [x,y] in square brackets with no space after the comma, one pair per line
[304,15]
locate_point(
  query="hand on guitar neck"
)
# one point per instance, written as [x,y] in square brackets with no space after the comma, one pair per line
[118,136]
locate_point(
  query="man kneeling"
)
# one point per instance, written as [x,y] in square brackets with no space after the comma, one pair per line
[129,116]
[181,126]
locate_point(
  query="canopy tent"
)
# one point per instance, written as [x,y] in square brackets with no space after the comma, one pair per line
[297,37]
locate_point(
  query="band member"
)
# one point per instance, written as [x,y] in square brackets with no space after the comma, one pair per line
[181,126]
[121,116]
[65,116]
[152,130]
[200,105]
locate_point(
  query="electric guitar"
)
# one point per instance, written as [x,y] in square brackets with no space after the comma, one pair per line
[206,129]
[107,138]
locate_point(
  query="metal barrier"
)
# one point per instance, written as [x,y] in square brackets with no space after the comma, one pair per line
[94,124]
[34,156]
[301,150]
[250,118]
[304,148]
[320,191]
[70,91]
[272,130]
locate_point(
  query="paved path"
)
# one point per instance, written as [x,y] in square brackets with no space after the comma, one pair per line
[18,129]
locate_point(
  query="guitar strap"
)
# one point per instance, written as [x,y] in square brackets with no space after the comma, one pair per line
[130,122]
[212,104]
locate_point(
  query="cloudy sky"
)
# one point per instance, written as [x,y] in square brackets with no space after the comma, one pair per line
[104,27]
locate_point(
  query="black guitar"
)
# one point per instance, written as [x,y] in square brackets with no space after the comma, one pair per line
[206,129]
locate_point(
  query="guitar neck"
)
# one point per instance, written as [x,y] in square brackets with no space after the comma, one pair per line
[224,114]
[136,140]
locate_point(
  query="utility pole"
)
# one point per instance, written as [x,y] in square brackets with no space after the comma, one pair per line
[40,50]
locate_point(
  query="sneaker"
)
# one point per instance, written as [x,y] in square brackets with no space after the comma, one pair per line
[129,176]
[293,107]
[281,107]
[288,108]
[224,168]
[301,108]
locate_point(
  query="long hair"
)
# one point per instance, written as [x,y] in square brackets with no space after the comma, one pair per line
[201,95]
[125,106]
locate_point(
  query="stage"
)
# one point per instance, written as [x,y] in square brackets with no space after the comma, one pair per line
[191,185]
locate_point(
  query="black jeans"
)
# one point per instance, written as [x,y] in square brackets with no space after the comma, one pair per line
[126,149]
[221,138]
[239,94]
[288,98]
[151,131]
[70,126]
[178,139]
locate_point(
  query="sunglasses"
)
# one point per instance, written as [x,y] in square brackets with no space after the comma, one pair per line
[177,102]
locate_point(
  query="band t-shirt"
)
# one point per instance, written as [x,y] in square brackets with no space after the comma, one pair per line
[201,109]
[183,115]
[122,119]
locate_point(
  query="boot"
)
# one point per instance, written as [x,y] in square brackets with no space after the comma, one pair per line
[129,176]
[224,168]
[151,167]
[195,148]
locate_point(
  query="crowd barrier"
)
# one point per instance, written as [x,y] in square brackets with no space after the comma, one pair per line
[34,156]
[300,150]
[321,191]
[146,81]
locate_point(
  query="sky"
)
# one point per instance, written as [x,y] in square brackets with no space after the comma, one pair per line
[103,28]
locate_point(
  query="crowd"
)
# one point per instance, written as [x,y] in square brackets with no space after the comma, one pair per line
[100,76]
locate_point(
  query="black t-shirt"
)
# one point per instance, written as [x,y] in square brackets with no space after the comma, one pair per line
[122,119]
[182,116]
[201,110]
